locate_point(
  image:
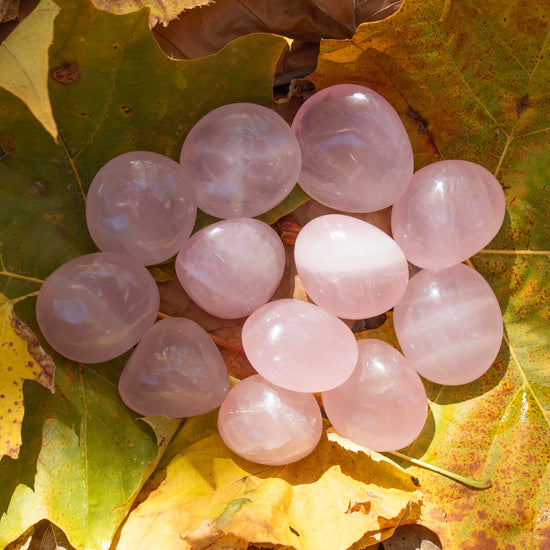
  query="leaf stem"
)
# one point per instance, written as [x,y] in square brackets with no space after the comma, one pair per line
[21,298]
[461,479]
[23,277]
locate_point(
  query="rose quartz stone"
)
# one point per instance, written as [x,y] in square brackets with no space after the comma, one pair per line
[138,204]
[383,404]
[232,267]
[350,267]
[449,324]
[452,209]
[243,159]
[265,423]
[356,155]
[96,307]
[299,346]
[176,370]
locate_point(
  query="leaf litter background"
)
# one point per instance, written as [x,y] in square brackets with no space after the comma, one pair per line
[470,82]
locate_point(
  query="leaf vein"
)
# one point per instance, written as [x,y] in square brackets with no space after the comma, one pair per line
[526,382]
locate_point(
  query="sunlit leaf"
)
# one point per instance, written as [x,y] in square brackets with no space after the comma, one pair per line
[470,81]
[24,63]
[331,499]
[21,358]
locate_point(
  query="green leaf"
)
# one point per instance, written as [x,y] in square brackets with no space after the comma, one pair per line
[470,80]
[83,460]
[84,456]
[24,62]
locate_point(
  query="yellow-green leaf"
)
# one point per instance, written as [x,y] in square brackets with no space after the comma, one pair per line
[470,80]
[24,63]
[21,358]
[333,499]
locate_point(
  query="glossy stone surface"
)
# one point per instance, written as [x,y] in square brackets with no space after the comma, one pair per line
[242,160]
[452,209]
[176,370]
[138,204]
[96,307]
[265,423]
[299,346]
[350,267]
[449,324]
[356,155]
[383,404]
[232,267]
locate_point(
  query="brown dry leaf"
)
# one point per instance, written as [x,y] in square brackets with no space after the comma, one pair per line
[333,499]
[22,358]
[161,11]
[9,10]
[202,32]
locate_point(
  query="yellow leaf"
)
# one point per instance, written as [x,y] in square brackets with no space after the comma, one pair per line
[21,358]
[24,63]
[160,11]
[333,499]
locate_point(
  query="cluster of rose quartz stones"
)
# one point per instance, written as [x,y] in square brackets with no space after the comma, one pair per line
[349,150]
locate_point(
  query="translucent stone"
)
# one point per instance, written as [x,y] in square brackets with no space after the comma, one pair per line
[449,324]
[350,267]
[265,423]
[138,204]
[243,159]
[356,155]
[232,267]
[383,404]
[176,370]
[452,209]
[96,307]
[299,346]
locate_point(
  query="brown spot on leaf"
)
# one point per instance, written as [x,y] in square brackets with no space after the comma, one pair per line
[363,507]
[46,375]
[66,73]
[126,110]
[522,103]
[421,122]
[422,127]
[39,188]
[292,530]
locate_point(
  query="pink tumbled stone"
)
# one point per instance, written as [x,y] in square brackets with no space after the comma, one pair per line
[356,155]
[232,267]
[96,307]
[350,267]
[176,370]
[138,204]
[449,324]
[299,346]
[452,209]
[242,159]
[383,404]
[265,423]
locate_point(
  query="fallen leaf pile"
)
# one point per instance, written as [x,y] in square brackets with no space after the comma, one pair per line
[79,86]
